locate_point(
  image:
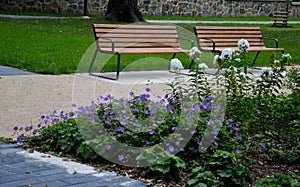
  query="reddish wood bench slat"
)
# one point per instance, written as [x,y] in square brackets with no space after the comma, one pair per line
[135,39]
[216,38]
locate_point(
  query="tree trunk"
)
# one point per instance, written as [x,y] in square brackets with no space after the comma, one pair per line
[123,11]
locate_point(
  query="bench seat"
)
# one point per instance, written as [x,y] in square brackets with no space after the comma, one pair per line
[120,39]
[216,38]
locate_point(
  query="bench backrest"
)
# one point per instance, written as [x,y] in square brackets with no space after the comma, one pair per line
[226,37]
[135,36]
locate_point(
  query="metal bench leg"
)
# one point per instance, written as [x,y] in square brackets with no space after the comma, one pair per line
[93,60]
[105,77]
[191,64]
[174,55]
[255,59]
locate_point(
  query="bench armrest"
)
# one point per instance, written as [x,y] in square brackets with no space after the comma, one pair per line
[275,39]
[211,40]
[192,41]
[112,43]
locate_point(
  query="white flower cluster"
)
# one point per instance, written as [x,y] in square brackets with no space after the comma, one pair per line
[266,69]
[216,60]
[286,56]
[195,53]
[175,64]
[227,54]
[243,45]
[202,66]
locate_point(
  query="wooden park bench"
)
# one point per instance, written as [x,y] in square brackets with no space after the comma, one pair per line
[280,18]
[216,38]
[118,39]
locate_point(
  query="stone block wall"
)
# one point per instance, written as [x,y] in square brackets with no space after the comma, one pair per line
[223,8]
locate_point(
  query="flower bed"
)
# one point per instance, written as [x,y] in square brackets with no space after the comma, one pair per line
[205,133]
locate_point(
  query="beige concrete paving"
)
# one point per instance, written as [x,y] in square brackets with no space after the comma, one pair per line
[24,98]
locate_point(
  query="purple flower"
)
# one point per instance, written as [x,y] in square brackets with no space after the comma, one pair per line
[216,143]
[189,115]
[71,114]
[236,128]
[263,146]
[27,128]
[239,137]
[171,149]
[34,132]
[39,125]
[207,105]
[120,129]
[92,120]
[238,151]
[147,89]
[219,107]
[74,135]
[209,122]
[121,157]
[199,142]
[131,93]
[73,105]
[177,142]
[174,128]
[128,132]
[15,128]
[194,131]
[210,97]
[148,142]
[108,147]
[151,131]
[258,112]
[114,138]
[55,120]
[19,139]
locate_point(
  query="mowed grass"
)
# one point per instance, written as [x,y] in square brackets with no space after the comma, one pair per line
[66,45]
[49,46]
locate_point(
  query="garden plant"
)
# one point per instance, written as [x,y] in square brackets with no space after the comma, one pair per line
[237,129]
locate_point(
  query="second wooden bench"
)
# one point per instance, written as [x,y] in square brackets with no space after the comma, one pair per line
[216,38]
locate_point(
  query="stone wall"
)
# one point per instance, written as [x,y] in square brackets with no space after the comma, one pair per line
[225,8]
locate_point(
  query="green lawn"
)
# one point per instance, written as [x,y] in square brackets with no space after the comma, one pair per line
[56,46]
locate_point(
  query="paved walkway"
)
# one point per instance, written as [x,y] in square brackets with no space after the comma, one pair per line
[5,71]
[19,168]
[159,21]
[24,96]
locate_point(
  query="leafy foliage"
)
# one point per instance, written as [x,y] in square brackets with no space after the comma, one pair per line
[222,169]
[277,180]
[259,119]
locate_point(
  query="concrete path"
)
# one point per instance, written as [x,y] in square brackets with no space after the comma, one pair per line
[158,21]
[25,96]
[19,168]
[6,71]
